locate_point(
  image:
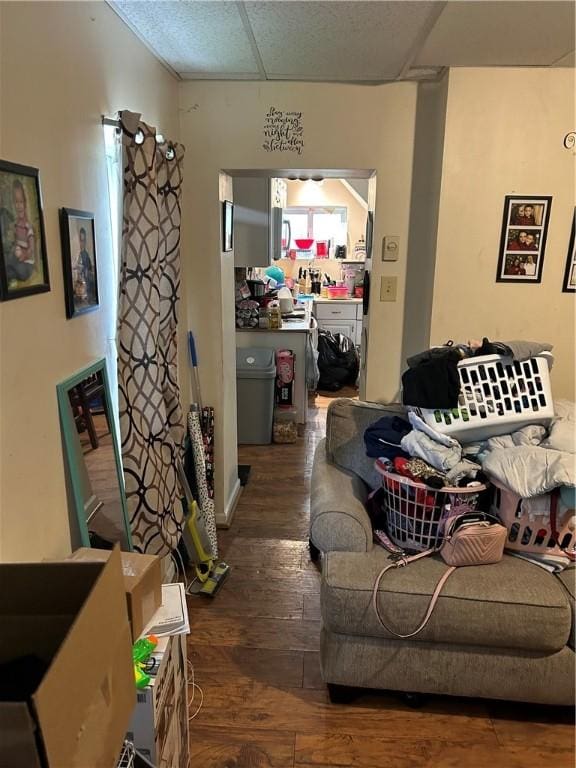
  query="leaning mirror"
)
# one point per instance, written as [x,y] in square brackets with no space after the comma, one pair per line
[94,470]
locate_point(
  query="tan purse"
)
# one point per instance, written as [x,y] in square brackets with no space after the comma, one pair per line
[470,539]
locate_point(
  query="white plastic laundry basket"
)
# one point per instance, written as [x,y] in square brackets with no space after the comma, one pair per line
[414,512]
[498,395]
[531,525]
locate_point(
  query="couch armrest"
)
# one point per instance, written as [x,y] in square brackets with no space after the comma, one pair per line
[338,519]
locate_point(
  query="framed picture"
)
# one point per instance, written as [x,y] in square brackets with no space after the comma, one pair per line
[227,225]
[23,262]
[79,261]
[523,239]
[569,284]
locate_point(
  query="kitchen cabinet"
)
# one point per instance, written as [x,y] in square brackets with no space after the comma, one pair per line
[258,225]
[343,316]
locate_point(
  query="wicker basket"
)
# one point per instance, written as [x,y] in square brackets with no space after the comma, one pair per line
[415,513]
[498,395]
[529,523]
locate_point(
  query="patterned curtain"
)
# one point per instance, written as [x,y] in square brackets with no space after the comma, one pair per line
[151,419]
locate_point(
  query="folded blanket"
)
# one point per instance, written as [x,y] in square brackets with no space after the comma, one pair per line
[530,470]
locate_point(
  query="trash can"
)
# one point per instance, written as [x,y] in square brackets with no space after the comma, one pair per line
[255,381]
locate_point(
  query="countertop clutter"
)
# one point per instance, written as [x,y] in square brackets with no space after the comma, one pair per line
[288,325]
[271,300]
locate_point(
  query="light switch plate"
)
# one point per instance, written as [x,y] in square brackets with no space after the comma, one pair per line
[388,288]
[390,248]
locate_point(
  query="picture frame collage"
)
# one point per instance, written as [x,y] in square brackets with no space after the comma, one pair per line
[523,239]
[569,282]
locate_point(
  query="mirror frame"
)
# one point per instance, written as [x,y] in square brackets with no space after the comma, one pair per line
[70,433]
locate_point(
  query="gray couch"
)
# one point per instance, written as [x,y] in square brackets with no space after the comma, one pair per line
[503,631]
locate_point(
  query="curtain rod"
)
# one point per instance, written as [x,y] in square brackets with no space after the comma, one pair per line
[115,123]
[110,121]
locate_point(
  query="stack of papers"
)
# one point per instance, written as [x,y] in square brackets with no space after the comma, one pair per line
[172,616]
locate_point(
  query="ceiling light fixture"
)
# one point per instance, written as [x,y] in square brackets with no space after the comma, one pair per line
[570,140]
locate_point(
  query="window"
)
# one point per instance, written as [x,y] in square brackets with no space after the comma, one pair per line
[317,223]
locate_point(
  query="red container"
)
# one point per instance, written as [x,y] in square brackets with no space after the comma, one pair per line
[304,244]
[337,292]
[359,291]
[322,249]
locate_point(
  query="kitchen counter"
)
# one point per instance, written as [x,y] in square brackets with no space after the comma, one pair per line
[290,326]
[321,300]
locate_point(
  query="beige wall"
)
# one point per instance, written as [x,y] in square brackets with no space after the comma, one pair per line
[345,127]
[62,66]
[426,184]
[504,131]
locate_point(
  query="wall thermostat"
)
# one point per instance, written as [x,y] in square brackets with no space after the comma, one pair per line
[390,248]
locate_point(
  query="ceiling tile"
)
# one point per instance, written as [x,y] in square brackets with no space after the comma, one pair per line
[337,40]
[500,33]
[193,37]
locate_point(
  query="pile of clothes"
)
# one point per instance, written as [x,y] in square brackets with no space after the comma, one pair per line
[431,458]
[432,380]
[535,463]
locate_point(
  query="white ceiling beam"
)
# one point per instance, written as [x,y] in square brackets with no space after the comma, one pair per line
[251,39]
[438,8]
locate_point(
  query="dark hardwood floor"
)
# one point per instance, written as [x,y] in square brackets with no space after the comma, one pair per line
[255,653]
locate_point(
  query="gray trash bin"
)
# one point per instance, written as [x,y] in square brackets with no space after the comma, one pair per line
[255,382]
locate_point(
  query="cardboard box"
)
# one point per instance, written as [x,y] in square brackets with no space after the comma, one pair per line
[142,583]
[72,617]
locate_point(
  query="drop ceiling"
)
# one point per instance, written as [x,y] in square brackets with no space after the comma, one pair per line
[341,41]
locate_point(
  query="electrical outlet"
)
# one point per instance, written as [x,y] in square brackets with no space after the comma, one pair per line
[388,288]
[390,248]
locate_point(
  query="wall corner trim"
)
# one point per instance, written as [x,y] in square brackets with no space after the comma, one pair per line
[225,520]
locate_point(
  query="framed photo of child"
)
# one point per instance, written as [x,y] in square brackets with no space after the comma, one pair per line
[523,239]
[79,261]
[23,261]
[569,283]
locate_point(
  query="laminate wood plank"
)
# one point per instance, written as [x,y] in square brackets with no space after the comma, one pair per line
[261,511]
[281,529]
[312,677]
[480,756]
[518,733]
[285,579]
[254,705]
[537,757]
[286,553]
[235,665]
[348,750]
[248,599]
[273,634]
[227,748]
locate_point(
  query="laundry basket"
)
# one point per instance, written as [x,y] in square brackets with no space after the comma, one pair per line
[543,525]
[414,513]
[498,395]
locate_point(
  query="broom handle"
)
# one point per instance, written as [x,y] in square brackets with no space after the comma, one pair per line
[196,393]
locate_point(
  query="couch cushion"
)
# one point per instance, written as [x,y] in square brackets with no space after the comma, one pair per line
[512,604]
[346,422]
[338,517]
[568,579]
